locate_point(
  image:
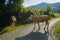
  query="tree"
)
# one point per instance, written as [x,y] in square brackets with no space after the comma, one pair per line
[41,12]
[14,5]
[7,10]
[48,10]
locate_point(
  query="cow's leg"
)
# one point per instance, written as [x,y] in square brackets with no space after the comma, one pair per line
[45,26]
[38,26]
[34,26]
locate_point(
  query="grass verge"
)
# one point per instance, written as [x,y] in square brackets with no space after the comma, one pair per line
[57,30]
[57,15]
[12,27]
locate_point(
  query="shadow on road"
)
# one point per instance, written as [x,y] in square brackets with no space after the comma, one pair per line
[34,36]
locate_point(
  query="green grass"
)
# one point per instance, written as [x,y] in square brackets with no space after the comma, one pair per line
[19,25]
[9,28]
[57,30]
[12,27]
[57,15]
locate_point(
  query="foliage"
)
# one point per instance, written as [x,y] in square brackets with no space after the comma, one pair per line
[48,10]
[57,31]
[7,10]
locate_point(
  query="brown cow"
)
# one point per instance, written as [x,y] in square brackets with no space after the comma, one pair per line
[39,19]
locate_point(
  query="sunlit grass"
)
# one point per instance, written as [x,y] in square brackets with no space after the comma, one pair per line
[12,27]
[57,30]
[9,28]
[57,15]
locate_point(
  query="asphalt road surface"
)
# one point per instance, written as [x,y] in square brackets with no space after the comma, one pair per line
[28,33]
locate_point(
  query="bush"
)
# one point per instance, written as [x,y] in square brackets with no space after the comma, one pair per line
[52,15]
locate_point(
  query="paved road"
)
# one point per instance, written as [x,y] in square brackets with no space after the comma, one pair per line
[27,33]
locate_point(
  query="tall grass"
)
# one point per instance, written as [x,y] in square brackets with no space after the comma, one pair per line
[57,31]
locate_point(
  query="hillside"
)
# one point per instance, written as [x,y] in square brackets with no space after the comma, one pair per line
[55,6]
